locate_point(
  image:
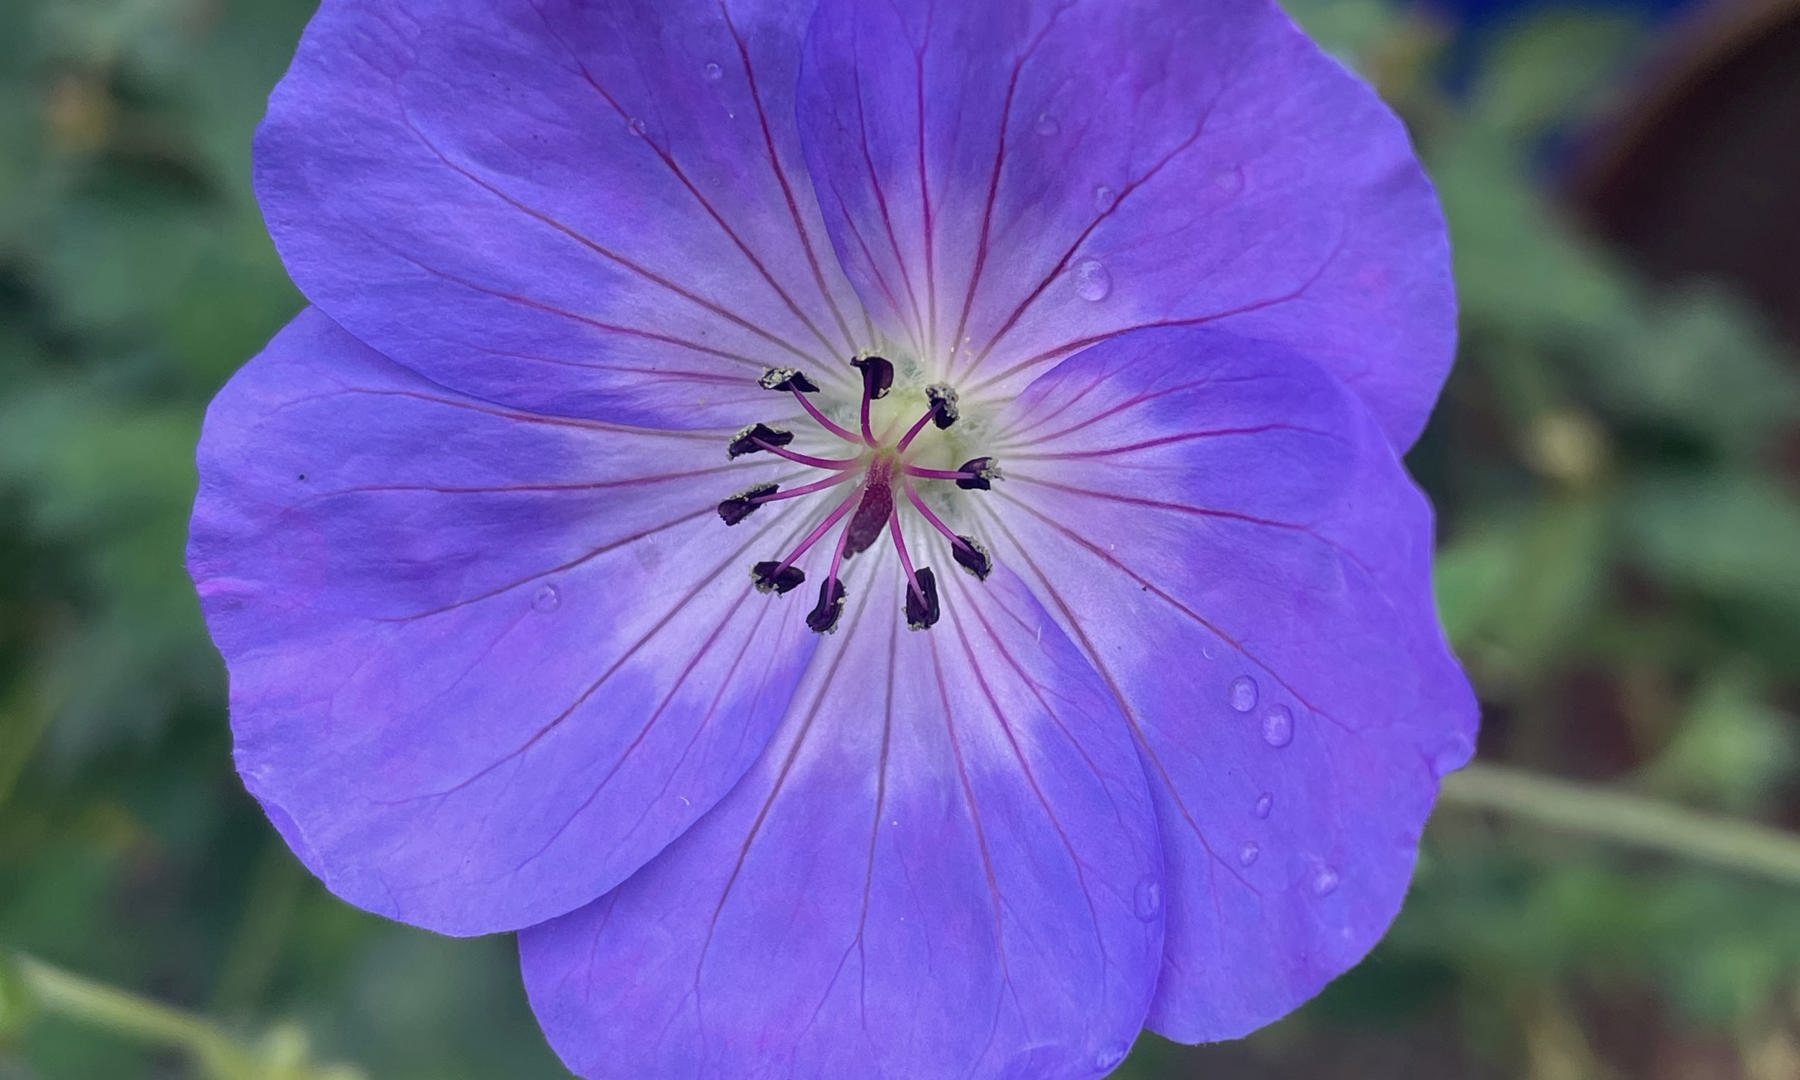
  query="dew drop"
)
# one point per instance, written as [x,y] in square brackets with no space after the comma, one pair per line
[1243,693]
[1047,125]
[546,600]
[636,126]
[1092,280]
[1278,726]
[1147,900]
[1208,652]
[1248,853]
[1454,755]
[714,72]
[1104,198]
[1264,803]
[1325,881]
[1108,1059]
[1228,179]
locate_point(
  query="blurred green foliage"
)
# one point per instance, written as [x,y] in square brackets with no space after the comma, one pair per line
[1619,571]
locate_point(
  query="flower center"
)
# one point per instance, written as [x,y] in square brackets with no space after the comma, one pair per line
[881,472]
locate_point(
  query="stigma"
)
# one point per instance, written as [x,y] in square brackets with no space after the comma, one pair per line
[884,478]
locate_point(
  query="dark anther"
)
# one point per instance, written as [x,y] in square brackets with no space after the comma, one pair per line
[943,404]
[739,506]
[982,471]
[752,438]
[971,556]
[878,376]
[823,618]
[775,578]
[922,613]
[787,378]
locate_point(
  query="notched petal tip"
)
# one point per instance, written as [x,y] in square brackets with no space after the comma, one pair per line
[756,438]
[943,403]
[973,557]
[773,577]
[823,618]
[787,378]
[922,603]
[745,502]
[878,376]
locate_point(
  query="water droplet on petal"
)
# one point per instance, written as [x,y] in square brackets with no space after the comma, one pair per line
[1208,652]
[1147,900]
[1325,881]
[636,126]
[1455,754]
[714,72]
[1243,693]
[1229,179]
[1104,197]
[546,600]
[1264,803]
[1047,125]
[1248,854]
[1278,726]
[1108,1059]
[1092,280]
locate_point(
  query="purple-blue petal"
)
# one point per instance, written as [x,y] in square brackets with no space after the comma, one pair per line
[1009,182]
[596,209]
[1235,545]
[485,662]
[945,865]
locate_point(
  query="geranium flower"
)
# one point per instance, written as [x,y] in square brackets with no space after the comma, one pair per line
[870,533]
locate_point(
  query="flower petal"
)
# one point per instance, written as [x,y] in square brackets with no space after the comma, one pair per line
[944,865]
[1236,547]
[1009,182]
[596,209]
[484,662]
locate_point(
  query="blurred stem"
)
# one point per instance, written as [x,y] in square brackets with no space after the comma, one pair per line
[261,932]
[24,720]
[218,1054]
[1619,817]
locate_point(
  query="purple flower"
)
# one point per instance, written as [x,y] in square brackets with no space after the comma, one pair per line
[870,533]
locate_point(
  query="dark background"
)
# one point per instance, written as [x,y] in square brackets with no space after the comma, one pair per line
[1614,463]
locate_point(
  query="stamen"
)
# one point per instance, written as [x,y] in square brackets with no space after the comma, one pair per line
[757,437]
[922,603]
[823,618]
[776,578]
[741,505]
[824,615]
[943,397]
[787,378]
[921,585]
[918,426]
[824,421]
[976,474]
[968,553]
[979,474]
[807,459]
[777,571]
[878,377]
[973,557]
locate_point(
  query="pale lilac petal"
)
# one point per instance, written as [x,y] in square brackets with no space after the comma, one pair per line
[1008,182]
[1236,547]
[599,209]
[945,865]
[484,662]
